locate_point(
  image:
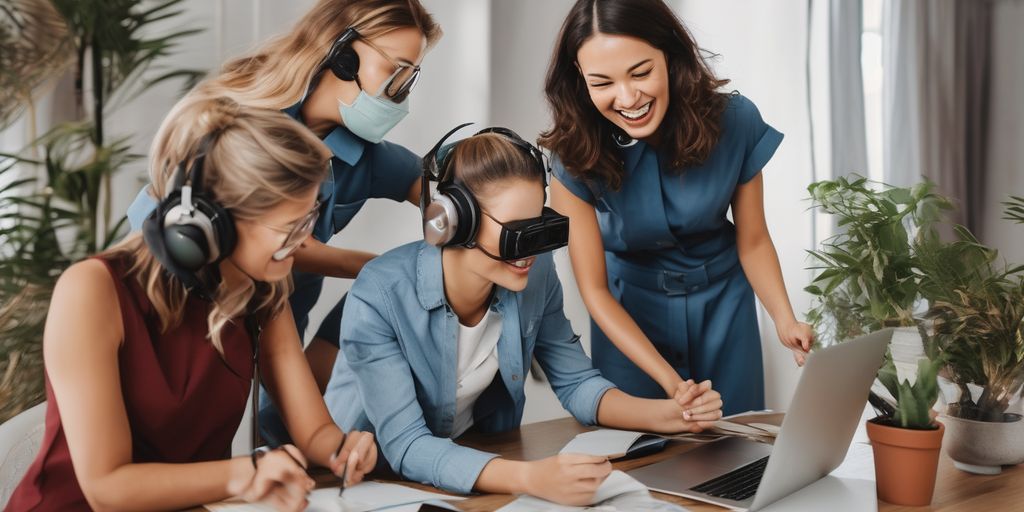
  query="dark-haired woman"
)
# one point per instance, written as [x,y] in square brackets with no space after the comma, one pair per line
[650,156]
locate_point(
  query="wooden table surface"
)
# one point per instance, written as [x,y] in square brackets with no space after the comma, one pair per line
[954,489]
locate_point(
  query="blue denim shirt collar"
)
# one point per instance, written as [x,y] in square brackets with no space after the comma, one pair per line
[430,282]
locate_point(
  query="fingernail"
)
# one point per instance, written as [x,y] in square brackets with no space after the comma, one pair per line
[686,414]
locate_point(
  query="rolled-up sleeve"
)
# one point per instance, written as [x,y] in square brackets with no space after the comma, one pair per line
[388,393]
[762,141]
[578,385]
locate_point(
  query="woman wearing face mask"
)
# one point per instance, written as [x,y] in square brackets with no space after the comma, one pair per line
[650,157]
[345,71]
[440,339]
[148,360]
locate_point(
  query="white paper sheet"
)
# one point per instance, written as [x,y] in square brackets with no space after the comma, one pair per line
[619,492]
[364,497]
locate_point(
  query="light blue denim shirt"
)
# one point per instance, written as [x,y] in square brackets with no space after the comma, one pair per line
[396,372]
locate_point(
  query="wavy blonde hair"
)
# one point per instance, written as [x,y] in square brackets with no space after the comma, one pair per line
[277,74]
[256,159]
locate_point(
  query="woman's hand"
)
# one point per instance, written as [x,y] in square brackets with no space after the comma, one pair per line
[798,337]
[694,407]
[568,479]
[279,480]
[356,458]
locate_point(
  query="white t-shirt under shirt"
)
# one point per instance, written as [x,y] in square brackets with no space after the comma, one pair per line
[478,364]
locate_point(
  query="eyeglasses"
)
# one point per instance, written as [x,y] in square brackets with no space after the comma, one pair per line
[297,233]
[398,86]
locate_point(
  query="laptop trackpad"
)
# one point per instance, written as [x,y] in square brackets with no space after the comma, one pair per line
[686,470]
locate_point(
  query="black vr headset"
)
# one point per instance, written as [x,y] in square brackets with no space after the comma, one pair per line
[452,216]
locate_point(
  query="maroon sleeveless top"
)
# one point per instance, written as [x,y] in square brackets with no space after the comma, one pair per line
[184,402]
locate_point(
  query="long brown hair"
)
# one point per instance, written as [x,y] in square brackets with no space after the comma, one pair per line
[257,158]
[582,138]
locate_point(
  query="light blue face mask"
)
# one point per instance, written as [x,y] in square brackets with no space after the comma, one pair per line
[372,117]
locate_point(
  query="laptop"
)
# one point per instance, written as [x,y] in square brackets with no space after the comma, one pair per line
[826,408]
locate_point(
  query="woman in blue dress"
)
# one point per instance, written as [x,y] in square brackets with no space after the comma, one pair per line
[345,71]
[649,158]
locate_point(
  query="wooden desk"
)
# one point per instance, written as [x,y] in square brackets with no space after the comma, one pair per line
[955,490]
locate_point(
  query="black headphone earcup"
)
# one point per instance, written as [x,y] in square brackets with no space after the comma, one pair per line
[223,223]
[344,63]
[468,211]
[186,244]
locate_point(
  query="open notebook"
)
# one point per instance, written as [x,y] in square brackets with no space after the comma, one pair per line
[617,444]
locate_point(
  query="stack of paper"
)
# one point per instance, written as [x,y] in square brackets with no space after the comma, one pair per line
[364,497]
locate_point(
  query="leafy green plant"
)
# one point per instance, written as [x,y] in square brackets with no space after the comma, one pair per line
[65,214]
[865,278]
[1015,209]
[977,313]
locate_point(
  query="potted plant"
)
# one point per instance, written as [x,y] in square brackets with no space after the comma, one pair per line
[977,308]
[905,438]
[866,279]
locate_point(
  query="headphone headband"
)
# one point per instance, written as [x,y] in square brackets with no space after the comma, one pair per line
[453,218]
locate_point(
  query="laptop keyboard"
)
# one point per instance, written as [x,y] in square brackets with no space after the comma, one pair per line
[738,484]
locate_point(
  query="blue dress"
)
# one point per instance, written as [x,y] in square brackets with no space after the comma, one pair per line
[673,265]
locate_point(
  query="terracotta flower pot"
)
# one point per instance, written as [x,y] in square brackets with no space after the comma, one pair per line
[906,461]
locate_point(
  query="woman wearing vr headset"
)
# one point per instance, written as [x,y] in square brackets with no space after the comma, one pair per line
[345,71]
[439,334]
[650,156]
[149,360]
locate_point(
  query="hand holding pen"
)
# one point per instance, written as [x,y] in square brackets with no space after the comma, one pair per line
[355,456]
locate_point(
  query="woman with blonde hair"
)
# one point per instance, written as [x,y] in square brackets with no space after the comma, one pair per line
[345,71]
[150,347]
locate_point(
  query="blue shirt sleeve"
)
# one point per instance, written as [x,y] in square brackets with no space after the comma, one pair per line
[575,381]
[141,207]
[761,139]
[577,186]
[395,169]
[388,394]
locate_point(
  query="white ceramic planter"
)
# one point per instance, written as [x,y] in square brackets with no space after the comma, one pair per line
[983,447]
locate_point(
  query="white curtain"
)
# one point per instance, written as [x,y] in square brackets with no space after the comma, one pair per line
[937,91]
[846,88]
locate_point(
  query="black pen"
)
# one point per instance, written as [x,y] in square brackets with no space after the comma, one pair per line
[344,471]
